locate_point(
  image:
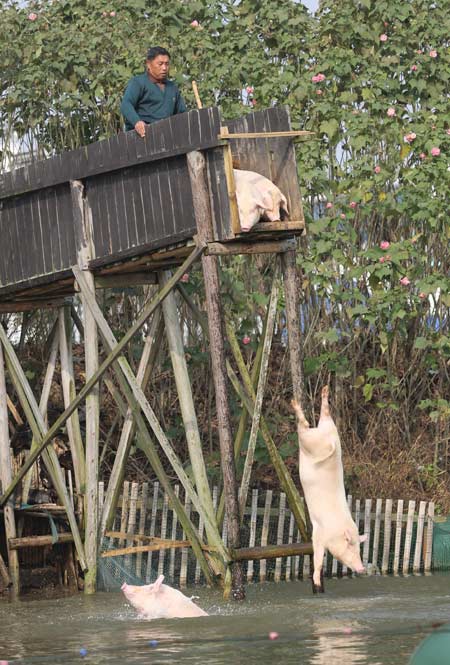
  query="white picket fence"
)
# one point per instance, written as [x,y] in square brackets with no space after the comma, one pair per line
[400,536]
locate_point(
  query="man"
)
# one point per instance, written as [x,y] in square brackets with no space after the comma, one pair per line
[151,96]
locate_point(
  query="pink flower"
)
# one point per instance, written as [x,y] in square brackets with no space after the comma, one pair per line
[422,295]
[112,14]
[385,244]
[318,78]
[422,155]
[319,92]
[32,16]
[329,205]
[250,89]
[382,259]
[246,340]
[195,23]
[273,635]
[253,102]
[383,38]
[405,281]
[414,68]
[391,112]
[353,204]
[342,215]
[104,14]
[377,169]
[185,278]
[433,54]
[435,152]
[409,138]
[419,51]
[448,132]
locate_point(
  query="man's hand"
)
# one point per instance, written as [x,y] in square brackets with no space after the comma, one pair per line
[140,128]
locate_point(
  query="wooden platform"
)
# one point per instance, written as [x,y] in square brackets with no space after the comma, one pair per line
[139,197]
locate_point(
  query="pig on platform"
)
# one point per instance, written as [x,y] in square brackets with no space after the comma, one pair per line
[159,601]
[322,479]
[257,197]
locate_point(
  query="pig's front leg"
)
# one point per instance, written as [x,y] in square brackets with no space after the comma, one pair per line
[319,553]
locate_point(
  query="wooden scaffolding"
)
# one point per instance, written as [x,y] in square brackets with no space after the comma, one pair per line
[128,211]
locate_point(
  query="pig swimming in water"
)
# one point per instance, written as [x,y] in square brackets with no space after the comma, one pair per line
[256,197]
[322,478]
[159,601]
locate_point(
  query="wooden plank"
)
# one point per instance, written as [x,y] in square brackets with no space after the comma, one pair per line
[428,542]
[124,513]
[419,537]
[387,536]
[131,519]
[280,533]
[408,536]
[161,546]
[148,575]
[163,531]
[367,523]
[398,537]
[263,134]
[265,533]
[185,550]
[39,541]
[289,560]
[271,552]
[141,527]
[176,490]
[376,537]
[252,538]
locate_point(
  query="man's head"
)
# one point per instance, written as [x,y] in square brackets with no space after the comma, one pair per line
[158,62]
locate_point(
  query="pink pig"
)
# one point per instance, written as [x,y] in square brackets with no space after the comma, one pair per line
[257,196]
[159,601]
[322,478]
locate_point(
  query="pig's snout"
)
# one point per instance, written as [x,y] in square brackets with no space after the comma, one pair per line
[360,570]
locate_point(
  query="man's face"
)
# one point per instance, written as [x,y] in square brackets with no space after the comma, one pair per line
[159,67]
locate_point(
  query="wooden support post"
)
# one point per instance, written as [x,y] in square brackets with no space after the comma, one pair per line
[146,364]
[83,228]
[45,394]
[137,400]
[39,430]
[54,429]
[5,477]
[248,398]
[176,349]
[272,310]
[291,292]
[68,386]
[200,194]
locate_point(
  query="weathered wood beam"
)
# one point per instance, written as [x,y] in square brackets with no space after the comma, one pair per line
[200,195]
[271,551]
[178,358]
[5,477]
[146,364]
[85,251]
[12,307]
[39,541]
[135,395]
[262,135]
[4,575]
[125,280]
[292,291]
[268,334]
[147,311]
[233,248]
[248,398]
[39,429]
[134,549]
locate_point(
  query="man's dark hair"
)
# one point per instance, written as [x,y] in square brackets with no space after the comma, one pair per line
[154,51]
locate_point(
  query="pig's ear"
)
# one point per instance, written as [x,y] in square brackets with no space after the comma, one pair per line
[348,536]
[363,538]
[156,585]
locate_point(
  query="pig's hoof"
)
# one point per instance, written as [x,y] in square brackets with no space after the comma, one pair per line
[318,588]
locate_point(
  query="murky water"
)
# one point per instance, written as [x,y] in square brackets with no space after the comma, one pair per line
[376,620]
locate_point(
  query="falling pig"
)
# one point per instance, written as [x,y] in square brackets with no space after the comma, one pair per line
[257,197]
[160,601]
[322,479]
